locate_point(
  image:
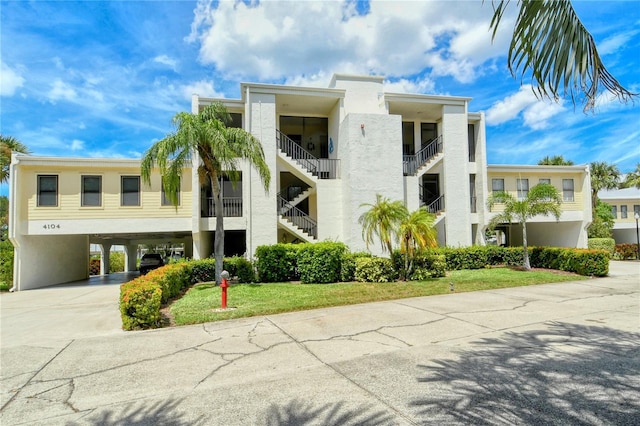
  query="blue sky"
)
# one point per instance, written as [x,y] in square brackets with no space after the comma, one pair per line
[103,79]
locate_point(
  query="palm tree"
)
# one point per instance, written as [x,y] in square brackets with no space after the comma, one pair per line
[416,233]
[632,178]
[603,176]
[382,221]
[556,160]
[9,144]
[550,41]
[542,199]
[219,148]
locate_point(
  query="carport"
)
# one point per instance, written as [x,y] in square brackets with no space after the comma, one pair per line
[131,241]
[45,260]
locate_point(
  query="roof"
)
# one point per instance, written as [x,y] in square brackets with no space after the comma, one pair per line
[613,194]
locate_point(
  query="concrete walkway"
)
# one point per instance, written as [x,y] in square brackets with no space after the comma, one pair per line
[551,354]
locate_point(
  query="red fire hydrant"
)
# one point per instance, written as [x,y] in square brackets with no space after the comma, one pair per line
[224,284]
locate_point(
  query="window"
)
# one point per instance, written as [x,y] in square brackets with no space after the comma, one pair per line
[567,190]
[523,188]
[130,191]
[165,199]
[623,212]
[614,211]
[548,181]
[91,191]
[636,210]
[408,138]
[428,132]
[47,190]
[497,185]
[472,142]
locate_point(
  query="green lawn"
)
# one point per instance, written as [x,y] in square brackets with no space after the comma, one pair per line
[199,303]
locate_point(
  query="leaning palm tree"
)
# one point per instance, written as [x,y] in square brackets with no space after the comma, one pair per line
[382,221]
[632,178]
[220,150]
[550,41]
[603,176]
[556,160]
[542,199]
[416,234]
[8,145]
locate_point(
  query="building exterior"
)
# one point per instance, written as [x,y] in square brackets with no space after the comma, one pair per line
[330,151]
[625,205]
[575,186]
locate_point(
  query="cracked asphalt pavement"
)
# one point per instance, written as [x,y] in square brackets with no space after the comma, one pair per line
[564,353]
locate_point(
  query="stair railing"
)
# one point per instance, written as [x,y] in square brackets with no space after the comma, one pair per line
[436,205]
[297,217]
[322,168]
[411,163]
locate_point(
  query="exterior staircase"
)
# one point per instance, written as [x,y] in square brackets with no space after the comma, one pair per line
[293,195]
[296,221]
[419,163]
[436,207]
[319,168]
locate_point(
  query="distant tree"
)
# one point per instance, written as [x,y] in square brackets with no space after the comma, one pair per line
[602,221]
[8,144]
[556,160]
[382,221]
[550,41]
[4,215]
[603,176]
[417,232]
[220,148]
[542,199]
[632,178]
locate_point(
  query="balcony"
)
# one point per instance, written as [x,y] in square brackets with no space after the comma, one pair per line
[231,207]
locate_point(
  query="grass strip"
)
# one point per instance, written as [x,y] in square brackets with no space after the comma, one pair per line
[199,304]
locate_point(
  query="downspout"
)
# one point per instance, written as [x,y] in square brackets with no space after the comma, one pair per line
[250,126]
[13,215]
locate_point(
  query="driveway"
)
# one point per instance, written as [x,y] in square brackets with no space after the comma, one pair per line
[67,311]
[550,354]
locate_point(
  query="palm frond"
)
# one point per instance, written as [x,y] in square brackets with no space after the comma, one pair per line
[551,43]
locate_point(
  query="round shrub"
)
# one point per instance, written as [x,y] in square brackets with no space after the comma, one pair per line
[374,270]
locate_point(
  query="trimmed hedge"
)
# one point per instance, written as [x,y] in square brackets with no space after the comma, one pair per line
[593,263]
[375,270]
[203,270]
[478,257]
[140,301]
[607,244]
[428,264]
[321,262]
[277,263]
[241,268]
[348,267]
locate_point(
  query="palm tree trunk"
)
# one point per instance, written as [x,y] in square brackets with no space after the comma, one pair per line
[218,239]
[526,265]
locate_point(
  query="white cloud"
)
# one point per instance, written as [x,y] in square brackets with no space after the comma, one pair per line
[202,88]
[536,116]
[535,112]
[62,91]
[10,80]
[613,43]
[285,39]
[165,60]
[77,145]
[409,86]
